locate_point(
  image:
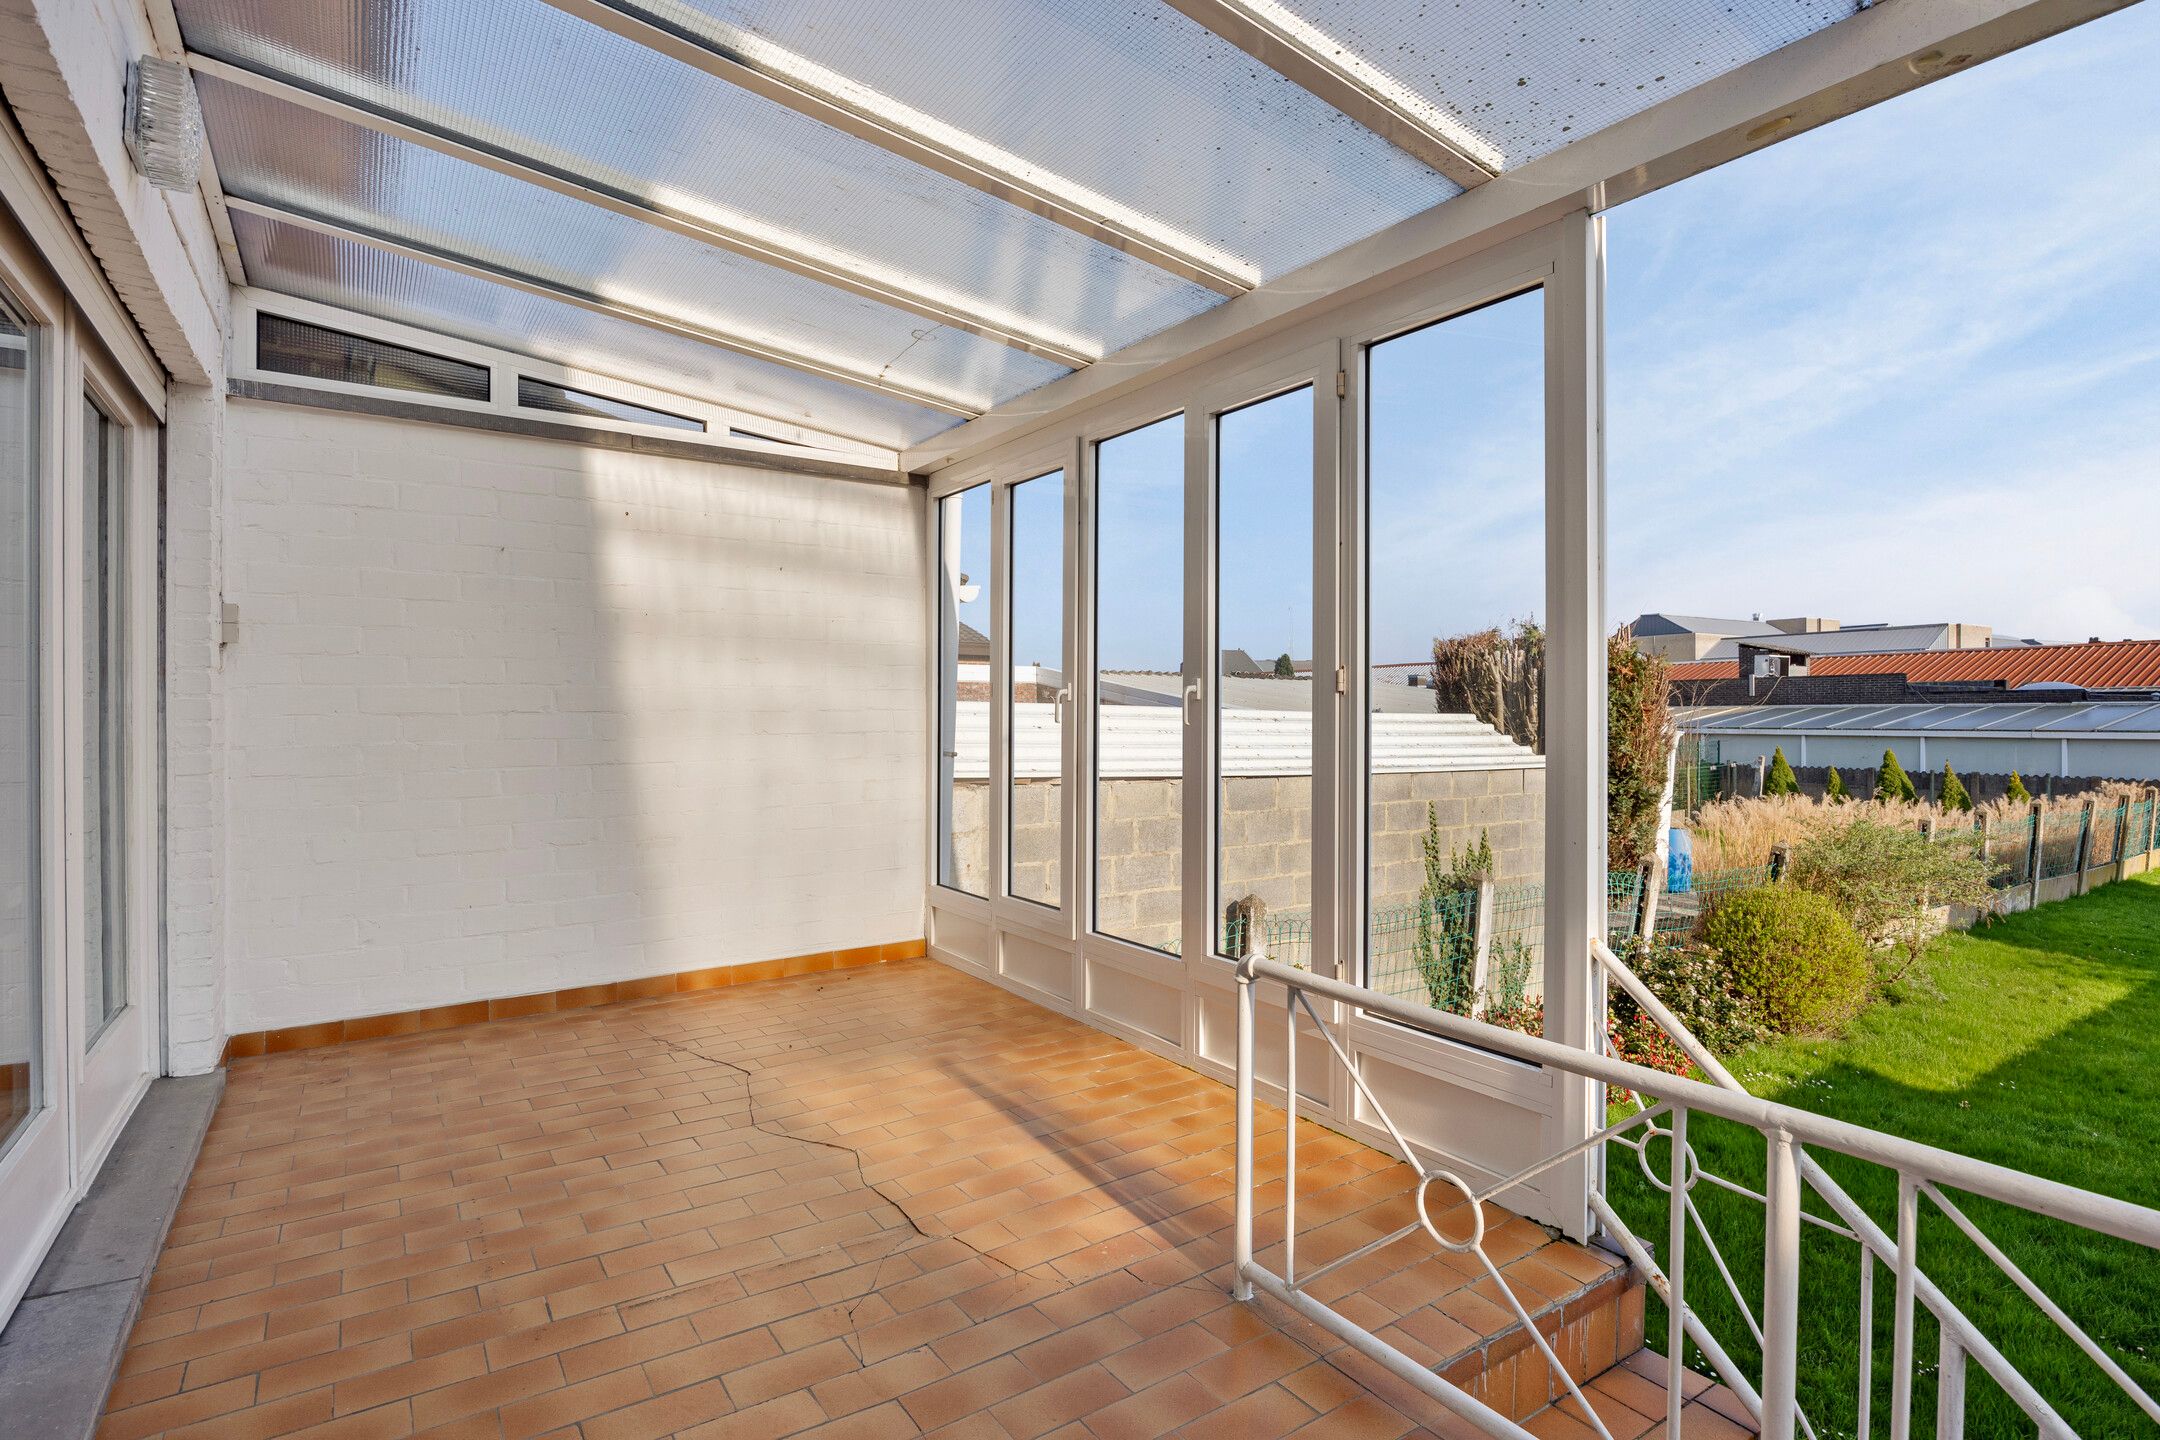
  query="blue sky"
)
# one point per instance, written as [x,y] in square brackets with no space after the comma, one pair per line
[1905,367]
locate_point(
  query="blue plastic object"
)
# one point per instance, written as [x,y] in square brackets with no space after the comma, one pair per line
[1680,861]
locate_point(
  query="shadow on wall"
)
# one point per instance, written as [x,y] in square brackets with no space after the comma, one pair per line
[510,715]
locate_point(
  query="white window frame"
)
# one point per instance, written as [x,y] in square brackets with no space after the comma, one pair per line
[89,348]
[790,438]
[1181,1005]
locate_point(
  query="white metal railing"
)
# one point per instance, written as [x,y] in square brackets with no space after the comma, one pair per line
[1788,1136]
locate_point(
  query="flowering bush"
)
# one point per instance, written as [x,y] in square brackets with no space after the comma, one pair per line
[1696,988]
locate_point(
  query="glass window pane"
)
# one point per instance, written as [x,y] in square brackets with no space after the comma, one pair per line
[1139,665]
[21,1006]
[105,720]
[1455,810]
[1036,647]
[330,271]
[1264,701]
[563,400]
[964,691]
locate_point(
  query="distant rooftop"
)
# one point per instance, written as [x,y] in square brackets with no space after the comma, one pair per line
[2094,665]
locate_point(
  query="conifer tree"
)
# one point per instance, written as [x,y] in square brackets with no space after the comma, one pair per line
[1780,780]
[1834,788]
[1953,791]
[1891,781]
[2018,795]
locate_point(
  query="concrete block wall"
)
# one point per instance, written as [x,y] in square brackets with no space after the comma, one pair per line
[1267,831]
[510,715]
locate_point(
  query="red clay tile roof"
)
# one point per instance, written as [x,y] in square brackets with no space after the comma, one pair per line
[2103,665]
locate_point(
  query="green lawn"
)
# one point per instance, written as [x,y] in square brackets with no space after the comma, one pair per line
[2032,1043]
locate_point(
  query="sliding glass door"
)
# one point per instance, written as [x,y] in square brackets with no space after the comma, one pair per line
[109,613]
[78,625]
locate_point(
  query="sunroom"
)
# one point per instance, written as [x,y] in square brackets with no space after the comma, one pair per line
[721,722]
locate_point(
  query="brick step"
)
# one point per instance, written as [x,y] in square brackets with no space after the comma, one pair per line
[1630,1398]
[1590,1326]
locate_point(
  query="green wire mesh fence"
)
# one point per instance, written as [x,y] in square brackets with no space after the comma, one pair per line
[1427,950]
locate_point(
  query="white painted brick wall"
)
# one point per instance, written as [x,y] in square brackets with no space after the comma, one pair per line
[508,715]
[194,731]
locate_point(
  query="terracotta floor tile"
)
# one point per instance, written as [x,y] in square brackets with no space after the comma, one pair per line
[795,1206]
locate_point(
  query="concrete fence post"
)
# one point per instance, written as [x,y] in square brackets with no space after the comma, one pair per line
[2084,845]
[1483,926]
[2033,854]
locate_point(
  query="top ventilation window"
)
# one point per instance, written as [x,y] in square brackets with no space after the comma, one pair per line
[294,347]
[562,400]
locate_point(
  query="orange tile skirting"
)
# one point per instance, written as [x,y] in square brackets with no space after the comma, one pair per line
[547,1002]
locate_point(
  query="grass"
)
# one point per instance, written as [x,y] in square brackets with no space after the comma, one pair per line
[2029,1043]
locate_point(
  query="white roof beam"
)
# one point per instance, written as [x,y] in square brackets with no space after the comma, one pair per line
[754,64]
[1344,79]
[740,235]
[824,367]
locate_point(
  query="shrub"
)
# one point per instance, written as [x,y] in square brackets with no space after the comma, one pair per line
[1285,667]
[1445,956]
[1498,677]
[1780,780]
[1953,791]
[1640,1041]
[1834,788]
[2018,794]
[1638,750]
[1891,781]
[1887,879]
[1792,955]
[1695,987]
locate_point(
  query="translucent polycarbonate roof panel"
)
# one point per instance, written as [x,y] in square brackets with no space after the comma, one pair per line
[1133,101]
[523,77]
[277,153]
[1531,75]
[374,282]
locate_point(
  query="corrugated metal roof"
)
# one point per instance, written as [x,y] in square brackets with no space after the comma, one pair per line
[1141,741]
[2101,665]
[2096,719]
